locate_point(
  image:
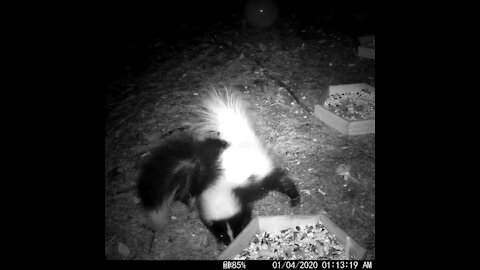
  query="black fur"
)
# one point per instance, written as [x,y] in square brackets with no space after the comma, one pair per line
[277,180]
[180,164]
[237,223]
[188,167]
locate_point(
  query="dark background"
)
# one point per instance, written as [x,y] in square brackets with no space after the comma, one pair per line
[157,59]
[131,30]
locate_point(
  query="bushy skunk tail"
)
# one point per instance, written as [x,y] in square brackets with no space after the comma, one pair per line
[226,113]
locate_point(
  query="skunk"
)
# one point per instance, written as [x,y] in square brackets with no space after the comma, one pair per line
[219,164]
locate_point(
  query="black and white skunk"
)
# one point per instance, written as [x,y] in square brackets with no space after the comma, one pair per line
[220,165]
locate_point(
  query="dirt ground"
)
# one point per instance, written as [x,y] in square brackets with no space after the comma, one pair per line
[143,105]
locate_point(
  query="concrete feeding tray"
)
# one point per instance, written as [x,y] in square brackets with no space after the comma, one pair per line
[345,126]
[278,223]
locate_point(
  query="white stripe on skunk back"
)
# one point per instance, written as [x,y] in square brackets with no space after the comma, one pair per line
[228,114]
[218,201]
[241,162]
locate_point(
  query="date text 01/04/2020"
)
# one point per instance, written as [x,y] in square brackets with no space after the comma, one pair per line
[334,264]
[306,264]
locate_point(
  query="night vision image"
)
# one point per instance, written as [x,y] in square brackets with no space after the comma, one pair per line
[239,130]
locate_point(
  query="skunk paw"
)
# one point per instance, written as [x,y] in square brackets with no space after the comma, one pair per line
[295,201]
